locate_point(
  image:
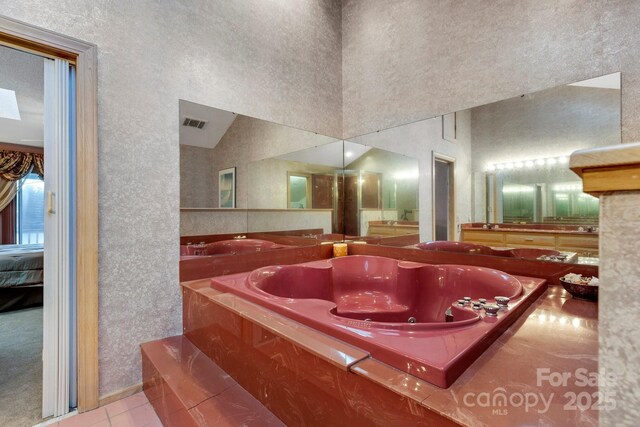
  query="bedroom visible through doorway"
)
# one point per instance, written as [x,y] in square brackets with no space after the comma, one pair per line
[21,236]
[37,231]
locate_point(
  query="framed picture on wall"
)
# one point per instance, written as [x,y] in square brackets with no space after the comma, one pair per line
[227,188]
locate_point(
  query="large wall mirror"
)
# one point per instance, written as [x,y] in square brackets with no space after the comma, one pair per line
[217,186]
[521,148]
[506,163]
[510,167]
[296,190]
[342,187]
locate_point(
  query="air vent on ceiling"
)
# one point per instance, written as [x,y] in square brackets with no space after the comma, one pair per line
[194,123]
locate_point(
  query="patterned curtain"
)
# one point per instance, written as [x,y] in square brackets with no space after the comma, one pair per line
[8,190]
[15,164]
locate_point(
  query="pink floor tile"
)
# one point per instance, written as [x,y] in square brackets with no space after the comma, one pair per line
[140,416]
[156,423]
[87,419]
[126,404]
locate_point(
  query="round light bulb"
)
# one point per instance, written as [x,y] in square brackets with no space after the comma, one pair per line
[519,164]
[529,163]
[540,162]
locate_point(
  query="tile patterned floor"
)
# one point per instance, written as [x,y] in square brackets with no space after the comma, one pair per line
[133,411]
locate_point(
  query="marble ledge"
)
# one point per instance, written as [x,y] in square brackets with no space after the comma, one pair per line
[330,349]
[557,333]
[608,169]
[611,155]
[186,389]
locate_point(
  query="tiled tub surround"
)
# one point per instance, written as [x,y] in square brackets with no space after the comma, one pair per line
[474,249]
[548,270]
[308,378]
[367,301]
[230,247]
[302,376]
[198,267]
[187,389]
[566,238]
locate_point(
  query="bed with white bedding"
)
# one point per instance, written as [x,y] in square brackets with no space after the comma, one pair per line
[21,276]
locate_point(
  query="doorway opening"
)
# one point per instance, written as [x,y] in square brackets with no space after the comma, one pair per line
[71,217]
[443,197]
[21,236]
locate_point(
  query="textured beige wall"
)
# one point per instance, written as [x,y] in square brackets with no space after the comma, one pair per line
[197,181]
[419,140]
[254,56]
[553,122]
[412,59]
[268,184]
[200,222]
[619,306]
[249,139]
[298,219]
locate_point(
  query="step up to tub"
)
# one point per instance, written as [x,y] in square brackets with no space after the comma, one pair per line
[187,389]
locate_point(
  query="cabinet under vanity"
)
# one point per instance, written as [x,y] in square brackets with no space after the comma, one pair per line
[560,238]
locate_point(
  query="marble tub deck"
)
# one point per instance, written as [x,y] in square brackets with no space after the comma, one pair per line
[556,335]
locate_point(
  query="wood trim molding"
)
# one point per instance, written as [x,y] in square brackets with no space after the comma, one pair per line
[121,394]
[435,156]
[84,55]
[23,148]
[607,169]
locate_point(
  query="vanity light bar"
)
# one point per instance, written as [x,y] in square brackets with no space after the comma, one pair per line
[523,164]
[567,187]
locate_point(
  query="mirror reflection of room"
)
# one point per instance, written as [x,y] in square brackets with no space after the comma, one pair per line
[508,171]
[231,185]
[523,193]
[381,192]
[21,236]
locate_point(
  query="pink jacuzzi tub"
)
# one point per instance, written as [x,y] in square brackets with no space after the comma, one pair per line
[527,253]
[463,247]
[474,249]
[230,247]
[395,310]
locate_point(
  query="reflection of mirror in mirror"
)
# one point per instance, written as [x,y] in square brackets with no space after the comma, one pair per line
[417,143]
[299,190]
[302,184]
[381,193]
[214,140]
[522,146]
[510,165]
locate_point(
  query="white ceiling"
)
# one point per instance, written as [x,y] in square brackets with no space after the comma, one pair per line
[23,73]
[610,81]
[328,154]
[218,122]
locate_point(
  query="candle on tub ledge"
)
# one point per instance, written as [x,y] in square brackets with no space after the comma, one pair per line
[339,249]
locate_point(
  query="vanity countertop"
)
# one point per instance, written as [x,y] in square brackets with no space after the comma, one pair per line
[530,230]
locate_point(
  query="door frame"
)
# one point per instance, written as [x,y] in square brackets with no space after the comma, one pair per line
[83,55]
[451,232]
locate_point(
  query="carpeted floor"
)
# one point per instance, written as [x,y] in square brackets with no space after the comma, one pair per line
[21,367]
